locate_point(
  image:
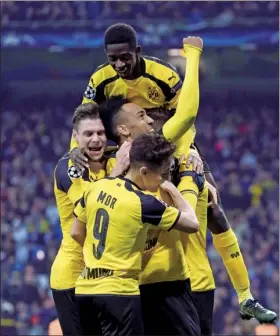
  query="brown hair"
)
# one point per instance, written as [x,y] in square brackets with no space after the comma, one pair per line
[85,111]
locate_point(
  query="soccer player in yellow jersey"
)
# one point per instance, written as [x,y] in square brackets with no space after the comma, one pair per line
[164,280]
[194,189]
[113,219]
[146,81]
[152,83]
[69,186]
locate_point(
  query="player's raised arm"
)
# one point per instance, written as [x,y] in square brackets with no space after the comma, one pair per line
[188,101]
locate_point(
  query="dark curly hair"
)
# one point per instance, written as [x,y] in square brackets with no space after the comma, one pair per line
[120,33]
[152,150]
[108,112]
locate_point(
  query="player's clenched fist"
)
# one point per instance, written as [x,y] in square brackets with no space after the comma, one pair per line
[193,41]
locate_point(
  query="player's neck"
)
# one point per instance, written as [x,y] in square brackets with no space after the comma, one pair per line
[96,166]
[135,178]
[137,71]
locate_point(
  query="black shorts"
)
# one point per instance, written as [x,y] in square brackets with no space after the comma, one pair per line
[206,167]
[204,304]
[168,309]
[110,314]
[67,311]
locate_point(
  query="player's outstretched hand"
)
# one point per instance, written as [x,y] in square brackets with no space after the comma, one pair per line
[196,162]
[79,159]
[194,41]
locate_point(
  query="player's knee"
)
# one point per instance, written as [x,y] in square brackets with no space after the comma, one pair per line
[217,220]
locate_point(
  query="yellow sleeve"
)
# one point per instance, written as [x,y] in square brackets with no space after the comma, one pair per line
[74,187]
[80,210]
[175,84]
[191,183]
[77,189]
[157,213]
[188,190]
[188,101]
[94,92]
[111,162]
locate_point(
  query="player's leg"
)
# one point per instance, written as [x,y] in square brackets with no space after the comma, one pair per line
[168,309]
[226,243]
[119,314]
[88,315]
[204,304]
[67,311]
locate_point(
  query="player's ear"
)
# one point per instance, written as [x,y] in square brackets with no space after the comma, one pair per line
[143,171]
[75,135]
[122,130]
[138,50]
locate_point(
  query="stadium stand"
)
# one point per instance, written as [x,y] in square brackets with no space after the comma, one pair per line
[244,157]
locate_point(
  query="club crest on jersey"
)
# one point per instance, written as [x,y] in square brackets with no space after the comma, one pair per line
[90,92]
[73,173]
[153,93]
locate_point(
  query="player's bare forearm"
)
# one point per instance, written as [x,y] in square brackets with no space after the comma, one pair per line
[188,101]
[78,232]
[210,179]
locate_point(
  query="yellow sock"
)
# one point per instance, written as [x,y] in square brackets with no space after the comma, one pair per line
[228,248]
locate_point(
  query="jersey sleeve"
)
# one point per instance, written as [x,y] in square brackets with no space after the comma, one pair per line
[111,162]
[175,85]
[95,90]
[191,183]
[158,213]
[73,187]
[188,101]
[80,210]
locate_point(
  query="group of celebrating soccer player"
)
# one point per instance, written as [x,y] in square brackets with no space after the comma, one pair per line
[135,198]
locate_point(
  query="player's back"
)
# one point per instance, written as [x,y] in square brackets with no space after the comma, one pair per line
[117,214]
[113,214]
[163,258]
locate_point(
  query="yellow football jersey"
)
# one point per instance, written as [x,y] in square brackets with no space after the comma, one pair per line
[117,215]
[194,190]
[69,187]
[164,257]
[158,84]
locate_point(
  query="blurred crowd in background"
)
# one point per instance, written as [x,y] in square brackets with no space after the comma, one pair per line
[240,143]
[237,133]
[191,11]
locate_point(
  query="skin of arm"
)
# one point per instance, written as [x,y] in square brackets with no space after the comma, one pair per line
[78,232]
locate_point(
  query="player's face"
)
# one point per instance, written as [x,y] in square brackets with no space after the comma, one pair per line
[153,178]
[135,121]
[122,58]
[91,137]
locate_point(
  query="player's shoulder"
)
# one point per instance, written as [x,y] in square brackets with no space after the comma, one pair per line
[156,66]
[103,72]
[66,174]
[145,198]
